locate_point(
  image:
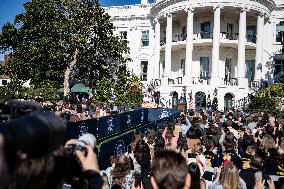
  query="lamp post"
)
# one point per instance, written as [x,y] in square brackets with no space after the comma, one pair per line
[184,96]
[208,102]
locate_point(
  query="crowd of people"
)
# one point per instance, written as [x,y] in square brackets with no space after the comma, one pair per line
[197,150]
[232,151]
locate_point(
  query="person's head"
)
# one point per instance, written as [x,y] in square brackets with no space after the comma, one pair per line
[269,130]
[142,155]
[151,136]
[209,143]
[194,133]
[169,171]
[169,134]
[251,150]
[40,173]
[255,119]
[194,171]
[121,169]
[230,177]
[159,144]
[182,144]
[256,161]
[266,143]
[183,120]
[217,120]
[229,141]
[198,149]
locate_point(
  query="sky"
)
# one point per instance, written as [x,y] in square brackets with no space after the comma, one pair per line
[10,8]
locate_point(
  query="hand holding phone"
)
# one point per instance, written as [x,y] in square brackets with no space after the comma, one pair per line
[258,176]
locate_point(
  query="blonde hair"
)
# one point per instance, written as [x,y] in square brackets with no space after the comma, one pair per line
[198,148]
[267,142]
[230,178]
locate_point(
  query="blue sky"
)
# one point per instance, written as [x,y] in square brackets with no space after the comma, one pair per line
[10,8]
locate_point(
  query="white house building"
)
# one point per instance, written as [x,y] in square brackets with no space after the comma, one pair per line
[207,48]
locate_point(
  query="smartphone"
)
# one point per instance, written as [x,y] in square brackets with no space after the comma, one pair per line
[129,149]
[258,176]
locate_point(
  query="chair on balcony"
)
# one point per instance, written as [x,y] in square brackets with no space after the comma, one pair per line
[171,81]
[179,80]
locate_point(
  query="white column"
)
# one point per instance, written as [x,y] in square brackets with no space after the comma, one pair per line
[168,50]
[242,48]
[189,44]
[157,50]
[259,47]
[216,45]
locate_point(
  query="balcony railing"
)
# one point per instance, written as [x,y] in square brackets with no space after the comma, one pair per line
[251,38]
[176,81]
[181,37]
[200,81]
[229,36]
[157,82]
[143,77]
[230,81]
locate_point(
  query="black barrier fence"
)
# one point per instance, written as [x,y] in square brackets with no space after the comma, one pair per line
[118,145]
[108,126]
[113,125]
[114,133]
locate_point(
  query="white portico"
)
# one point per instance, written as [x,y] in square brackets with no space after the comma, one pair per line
[200,46]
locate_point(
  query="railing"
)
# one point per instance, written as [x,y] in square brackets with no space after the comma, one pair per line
[181,37]
[157,82]
[200,81]
[256,85]
[143,77]
[229,36]
[163,42]
[175,81]
[251,38]
[230,81]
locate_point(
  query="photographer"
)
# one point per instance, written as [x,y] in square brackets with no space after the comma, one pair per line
[31,150]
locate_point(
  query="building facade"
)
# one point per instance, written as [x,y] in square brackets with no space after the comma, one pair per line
[203,48]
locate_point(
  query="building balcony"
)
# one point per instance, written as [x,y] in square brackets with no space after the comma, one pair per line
[226,40]
[182,81]
[230,81]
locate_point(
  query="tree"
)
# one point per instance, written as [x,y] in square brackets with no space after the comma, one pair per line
[269,99]
[126,89]
[102,92]
[215,104]
[56,39]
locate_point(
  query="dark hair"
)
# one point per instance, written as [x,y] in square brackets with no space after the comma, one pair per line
[256,161]
[159,144]
[209,143]
[194,172]
[212,130]
[137,179]
[142,156]
[183,120]
[182,143]
[40,173]
[151,136]
[194,133]
[169,134]
[229,142]
[255,119]
[116,186]
[269,130]
[248,140]
[169,170]
[121,169]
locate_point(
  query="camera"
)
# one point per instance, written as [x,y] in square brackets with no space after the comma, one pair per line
[86,139]
[74,174]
